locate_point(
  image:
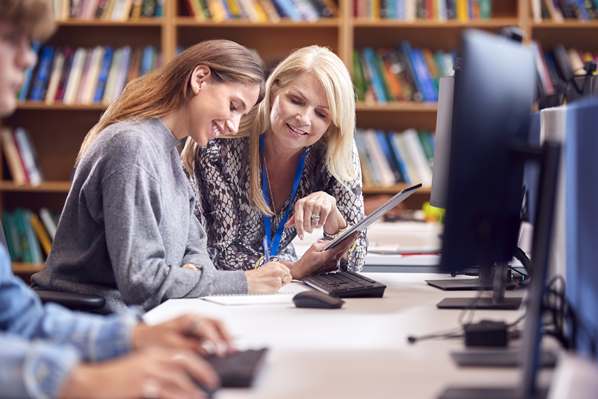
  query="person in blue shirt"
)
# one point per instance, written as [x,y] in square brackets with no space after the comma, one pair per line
[47,351]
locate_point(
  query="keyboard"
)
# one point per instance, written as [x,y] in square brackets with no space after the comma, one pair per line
[237,370]
[345,284]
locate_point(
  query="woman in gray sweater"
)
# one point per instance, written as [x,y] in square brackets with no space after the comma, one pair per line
[127,231]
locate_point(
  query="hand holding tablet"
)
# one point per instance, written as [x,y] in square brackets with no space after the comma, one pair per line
[377,214]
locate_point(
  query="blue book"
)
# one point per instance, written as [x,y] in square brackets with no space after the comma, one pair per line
[581,220]
[582,11]
[384,146]
[289,8]
[159,11]
[408,57]
[394,158]
[40,84]
[369,56]
[397,153]
[28,75]
[103,75]
[420,73]
[399,10]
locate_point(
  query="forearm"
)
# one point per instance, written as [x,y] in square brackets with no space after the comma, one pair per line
[34,369]
[96,338]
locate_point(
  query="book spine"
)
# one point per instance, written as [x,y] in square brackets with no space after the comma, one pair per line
[41,234]
[103,76]
[27,154]
[49,224]
[12,157]
[423,75]
[370,65]
[39,87]
[36,253]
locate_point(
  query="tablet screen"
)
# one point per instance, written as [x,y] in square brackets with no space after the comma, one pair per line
[371,218]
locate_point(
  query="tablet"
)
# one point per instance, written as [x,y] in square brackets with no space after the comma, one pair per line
[372,217]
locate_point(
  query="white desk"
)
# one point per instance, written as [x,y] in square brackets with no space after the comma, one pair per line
[359,351]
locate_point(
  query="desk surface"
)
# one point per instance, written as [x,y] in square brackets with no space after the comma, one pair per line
[359,351]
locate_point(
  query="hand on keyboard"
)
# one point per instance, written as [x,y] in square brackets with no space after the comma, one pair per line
[316,260]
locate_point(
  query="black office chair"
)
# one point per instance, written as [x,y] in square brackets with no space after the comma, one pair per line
[71,300]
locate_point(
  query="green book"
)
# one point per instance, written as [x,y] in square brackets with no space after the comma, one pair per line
[485,9]
[358,78]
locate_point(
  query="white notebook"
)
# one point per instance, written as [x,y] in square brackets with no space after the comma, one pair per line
[284,296]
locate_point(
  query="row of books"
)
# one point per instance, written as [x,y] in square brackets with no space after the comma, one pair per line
[29,235]
[399,74]
[436,10]
[559,10]
[261,10]
[556,65]
[118,10]
[85,75]
[389,158]
[20,156]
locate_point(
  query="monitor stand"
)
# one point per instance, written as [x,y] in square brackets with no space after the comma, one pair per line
[473,284]
[489,277]
[489,393]
[502,358]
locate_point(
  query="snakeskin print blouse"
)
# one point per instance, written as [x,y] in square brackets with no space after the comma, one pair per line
[235,227]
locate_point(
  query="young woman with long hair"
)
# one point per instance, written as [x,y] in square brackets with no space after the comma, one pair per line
[127,231]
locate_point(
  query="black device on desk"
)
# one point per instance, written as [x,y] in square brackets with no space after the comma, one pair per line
[317,299]
[346,284]
[238,369]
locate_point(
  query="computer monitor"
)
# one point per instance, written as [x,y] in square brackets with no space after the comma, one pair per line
[489,147]
[493,96]
[581,198]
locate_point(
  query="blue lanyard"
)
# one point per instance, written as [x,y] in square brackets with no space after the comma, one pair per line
[272,244]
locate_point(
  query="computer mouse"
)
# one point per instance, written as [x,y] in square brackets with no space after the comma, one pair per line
[316,299]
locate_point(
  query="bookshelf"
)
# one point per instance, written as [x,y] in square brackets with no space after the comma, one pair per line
[58,129]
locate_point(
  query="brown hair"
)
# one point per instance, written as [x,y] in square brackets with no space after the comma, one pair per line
[168,89]
[32,17]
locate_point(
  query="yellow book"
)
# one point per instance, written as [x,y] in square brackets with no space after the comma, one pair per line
[233,8]
[375,10]
[41,233]
[196,10]
[136,12]
[260,13]
[270,10]
[107,14]
[217,10]
[462,12]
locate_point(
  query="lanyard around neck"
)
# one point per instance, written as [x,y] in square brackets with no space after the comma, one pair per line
[272,244]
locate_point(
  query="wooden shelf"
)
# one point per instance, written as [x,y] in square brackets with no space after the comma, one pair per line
[392,189]
[130,23]
[321,23]
[40,106]
[405,106]
[46,187]
[423,24]
[27,268]
[565,25]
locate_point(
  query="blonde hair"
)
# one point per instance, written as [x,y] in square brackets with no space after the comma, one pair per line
[32,17]
[332,74]
[167,89]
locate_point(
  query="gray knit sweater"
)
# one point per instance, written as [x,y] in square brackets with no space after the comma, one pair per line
[127,226]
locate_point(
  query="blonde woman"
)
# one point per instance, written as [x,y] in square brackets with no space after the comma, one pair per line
[296,170]
[127,231]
